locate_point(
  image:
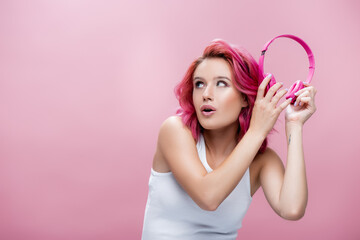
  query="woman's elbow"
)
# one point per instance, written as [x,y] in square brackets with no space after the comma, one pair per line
[209,207]
[208,203]
[294,214]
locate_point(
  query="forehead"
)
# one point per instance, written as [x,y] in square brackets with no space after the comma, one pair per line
[211,67]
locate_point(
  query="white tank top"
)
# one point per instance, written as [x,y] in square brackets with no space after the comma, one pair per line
[171,214]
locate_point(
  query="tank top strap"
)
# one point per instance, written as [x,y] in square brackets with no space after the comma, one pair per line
[200,145]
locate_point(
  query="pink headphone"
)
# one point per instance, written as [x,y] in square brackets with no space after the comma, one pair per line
[298,84]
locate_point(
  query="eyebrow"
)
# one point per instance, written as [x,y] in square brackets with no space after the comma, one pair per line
[218,77]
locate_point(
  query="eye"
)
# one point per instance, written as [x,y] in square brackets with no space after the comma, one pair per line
[222,84]
[199,84]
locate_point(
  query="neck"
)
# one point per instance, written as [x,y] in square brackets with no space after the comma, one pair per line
[221,142]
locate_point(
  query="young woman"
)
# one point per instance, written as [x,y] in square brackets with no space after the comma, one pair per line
[212,157]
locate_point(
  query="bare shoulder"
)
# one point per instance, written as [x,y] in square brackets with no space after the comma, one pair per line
[174,136]
[268,158]
[269,153]
[171,124]
[271,156]
[271,166]
[262,163]
[174,130]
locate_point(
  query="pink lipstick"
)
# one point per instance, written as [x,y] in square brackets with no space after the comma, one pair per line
[207,110]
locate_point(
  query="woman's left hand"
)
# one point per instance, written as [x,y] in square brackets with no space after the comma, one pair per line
[304,106]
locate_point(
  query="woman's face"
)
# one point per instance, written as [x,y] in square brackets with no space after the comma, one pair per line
[217,102]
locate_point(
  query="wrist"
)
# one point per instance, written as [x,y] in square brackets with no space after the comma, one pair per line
[258,135]
[292,127]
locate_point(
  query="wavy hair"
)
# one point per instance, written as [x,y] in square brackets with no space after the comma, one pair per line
[246,79]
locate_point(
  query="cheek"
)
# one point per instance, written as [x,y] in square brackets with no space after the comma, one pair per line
[197,100]
[233,101]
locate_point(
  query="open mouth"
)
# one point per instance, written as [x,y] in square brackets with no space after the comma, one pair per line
[207,110]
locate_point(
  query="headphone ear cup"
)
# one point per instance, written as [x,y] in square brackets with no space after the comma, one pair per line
[298,85]
[271,83]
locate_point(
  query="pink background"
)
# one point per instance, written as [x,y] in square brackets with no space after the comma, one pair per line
[85,85]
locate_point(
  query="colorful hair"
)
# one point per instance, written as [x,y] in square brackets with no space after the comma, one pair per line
[245,74]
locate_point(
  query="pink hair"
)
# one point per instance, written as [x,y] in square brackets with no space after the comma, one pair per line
[245,74]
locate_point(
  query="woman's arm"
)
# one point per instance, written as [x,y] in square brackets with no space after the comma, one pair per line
[209,190]
[286,191]
[294,192]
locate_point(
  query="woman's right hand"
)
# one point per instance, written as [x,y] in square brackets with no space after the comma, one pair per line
[265,111]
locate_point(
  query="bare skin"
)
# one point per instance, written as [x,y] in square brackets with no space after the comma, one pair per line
[285,188]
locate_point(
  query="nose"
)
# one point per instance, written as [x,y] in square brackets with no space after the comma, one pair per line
[208,93]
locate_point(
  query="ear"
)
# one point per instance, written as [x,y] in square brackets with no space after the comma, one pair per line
[245,101]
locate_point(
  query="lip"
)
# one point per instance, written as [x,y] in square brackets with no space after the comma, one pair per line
[203,107]
[207,107]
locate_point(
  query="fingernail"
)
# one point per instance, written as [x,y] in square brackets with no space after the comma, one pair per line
[297,93]
[295,104]
[299,103]
[290,99]
[270,75]
[286,89]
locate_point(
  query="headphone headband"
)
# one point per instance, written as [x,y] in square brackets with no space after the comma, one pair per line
[302,43]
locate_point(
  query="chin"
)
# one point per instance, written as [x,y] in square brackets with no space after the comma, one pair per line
[213,125]
[216,124]
[209,127]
